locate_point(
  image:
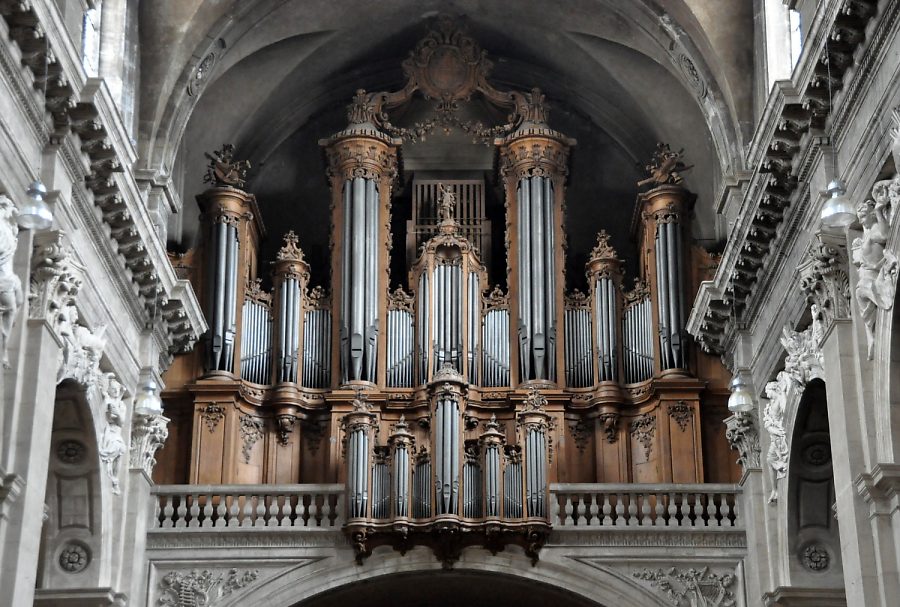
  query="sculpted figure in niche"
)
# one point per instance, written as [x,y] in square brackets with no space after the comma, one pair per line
[10,286]
[773,420]
[112,443]
[877,277]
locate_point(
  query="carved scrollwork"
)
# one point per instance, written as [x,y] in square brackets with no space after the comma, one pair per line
[610,423]
[148,435]
[825,280]
[206,587]
[285,425]
[691,587]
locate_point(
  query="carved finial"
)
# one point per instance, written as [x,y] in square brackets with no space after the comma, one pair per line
[224,170]
[664,167]
[364,108]
[447,372]
[603,250]
[492,423]
[532,107]
[290,251]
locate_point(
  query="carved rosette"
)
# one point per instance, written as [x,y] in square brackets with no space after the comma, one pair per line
[743,437]
[148,435]
[825,280]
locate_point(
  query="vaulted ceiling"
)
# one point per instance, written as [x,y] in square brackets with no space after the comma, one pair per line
[272,76]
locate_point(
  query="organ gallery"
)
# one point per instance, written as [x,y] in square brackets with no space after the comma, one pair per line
[449,395]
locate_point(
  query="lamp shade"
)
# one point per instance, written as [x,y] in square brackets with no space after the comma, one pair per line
[838,212]
[147,401]
[741,399]
[35,214]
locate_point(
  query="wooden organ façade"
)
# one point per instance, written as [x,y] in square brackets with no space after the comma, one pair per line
[451,403]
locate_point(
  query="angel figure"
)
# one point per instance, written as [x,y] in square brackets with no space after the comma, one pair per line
[773,420]
[112,443]
[11,297]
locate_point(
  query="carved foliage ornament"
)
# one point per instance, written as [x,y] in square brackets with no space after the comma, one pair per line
[691,587]
[251,431]
[610,423]
[878,266]
[824,279]
[682,413]
[201,589]
[642,430]
[148,435]
[11,297]
[55,279]
[212,414]
[743,437]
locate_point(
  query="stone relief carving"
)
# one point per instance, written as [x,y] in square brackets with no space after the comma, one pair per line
[825,281]
[11,297]
[743,437]
[691,587]
[55,279]
[877,277]
[112,444]
[82,348]
[74,557]
[815,557]
[773,419]
[804,360]
[148,435]
[202,588]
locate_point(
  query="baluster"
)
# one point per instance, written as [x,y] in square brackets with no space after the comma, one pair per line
[593,521]
[672,520]
[712,511]
[168,511]
[726,511]
[607,508]
[234,511]
[326,510]
[313,511]
[632,509]
[620,510]
[685,511]
[207,511]
[737,509]
[581,521]
[301,511]
[339,510]
[287,508]
[194,511]
[660,519]
[181,511]
[157,511]
[698,510]
[260,518]
[568,522]
[645,509]
[220,512]
[247,516]
[272,520]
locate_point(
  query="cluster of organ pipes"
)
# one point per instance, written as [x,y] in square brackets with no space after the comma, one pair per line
[223,250]
[447,476]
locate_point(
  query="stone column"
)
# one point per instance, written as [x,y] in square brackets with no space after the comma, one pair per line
[29,397]
[826,281]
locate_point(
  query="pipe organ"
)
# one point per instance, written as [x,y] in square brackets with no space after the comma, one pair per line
[450,397]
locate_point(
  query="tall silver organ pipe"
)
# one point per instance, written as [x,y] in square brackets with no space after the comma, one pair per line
[447,332]
[359,424]
[223,259]
[400,348]
[316,348]
[578,347]
[495,341]
[607,316]
[423,311]
[446,453]
[512,482]
[534,422]
[288,327]
[360,280]
[256,341]
[670,292]
[537,278]
[473,484]
[381,487]
[401,443]
[492,441]
[473,325]
[637,332]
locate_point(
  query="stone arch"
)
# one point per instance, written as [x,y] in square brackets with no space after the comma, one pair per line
[76,533]
[591,584]
[813,542]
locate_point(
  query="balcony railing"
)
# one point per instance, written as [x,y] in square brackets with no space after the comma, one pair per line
[653,505]
[217,506]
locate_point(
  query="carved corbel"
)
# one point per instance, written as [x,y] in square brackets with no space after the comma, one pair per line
[825,280]
[610,423]
[743,436]
[148,435]
[55,278]
[285,425]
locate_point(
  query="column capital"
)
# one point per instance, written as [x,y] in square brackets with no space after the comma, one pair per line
[148,434]
[825,279]
[56,278]
[743,436]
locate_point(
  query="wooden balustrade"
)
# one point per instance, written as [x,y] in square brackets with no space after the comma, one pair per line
[654,505]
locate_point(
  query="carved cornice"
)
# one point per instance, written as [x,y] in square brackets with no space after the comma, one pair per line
[536,155]
[360,155]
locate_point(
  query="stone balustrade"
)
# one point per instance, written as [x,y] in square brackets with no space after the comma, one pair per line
[656,505]
[216,506]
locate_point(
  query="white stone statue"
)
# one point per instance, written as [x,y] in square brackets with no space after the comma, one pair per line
[877,277]
[805,360]
[11,297]
[773,419]
[112,443]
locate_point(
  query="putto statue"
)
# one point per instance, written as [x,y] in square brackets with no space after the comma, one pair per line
[112,442]
[665,167]
[877,278]
[446,205]
[11,297]
[224,170]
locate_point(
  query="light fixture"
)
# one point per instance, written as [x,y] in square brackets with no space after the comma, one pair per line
[838,212]
[741,399]
[147,402]
[35,214]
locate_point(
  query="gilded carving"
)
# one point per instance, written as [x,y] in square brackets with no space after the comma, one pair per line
[878,268]
[642,430]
